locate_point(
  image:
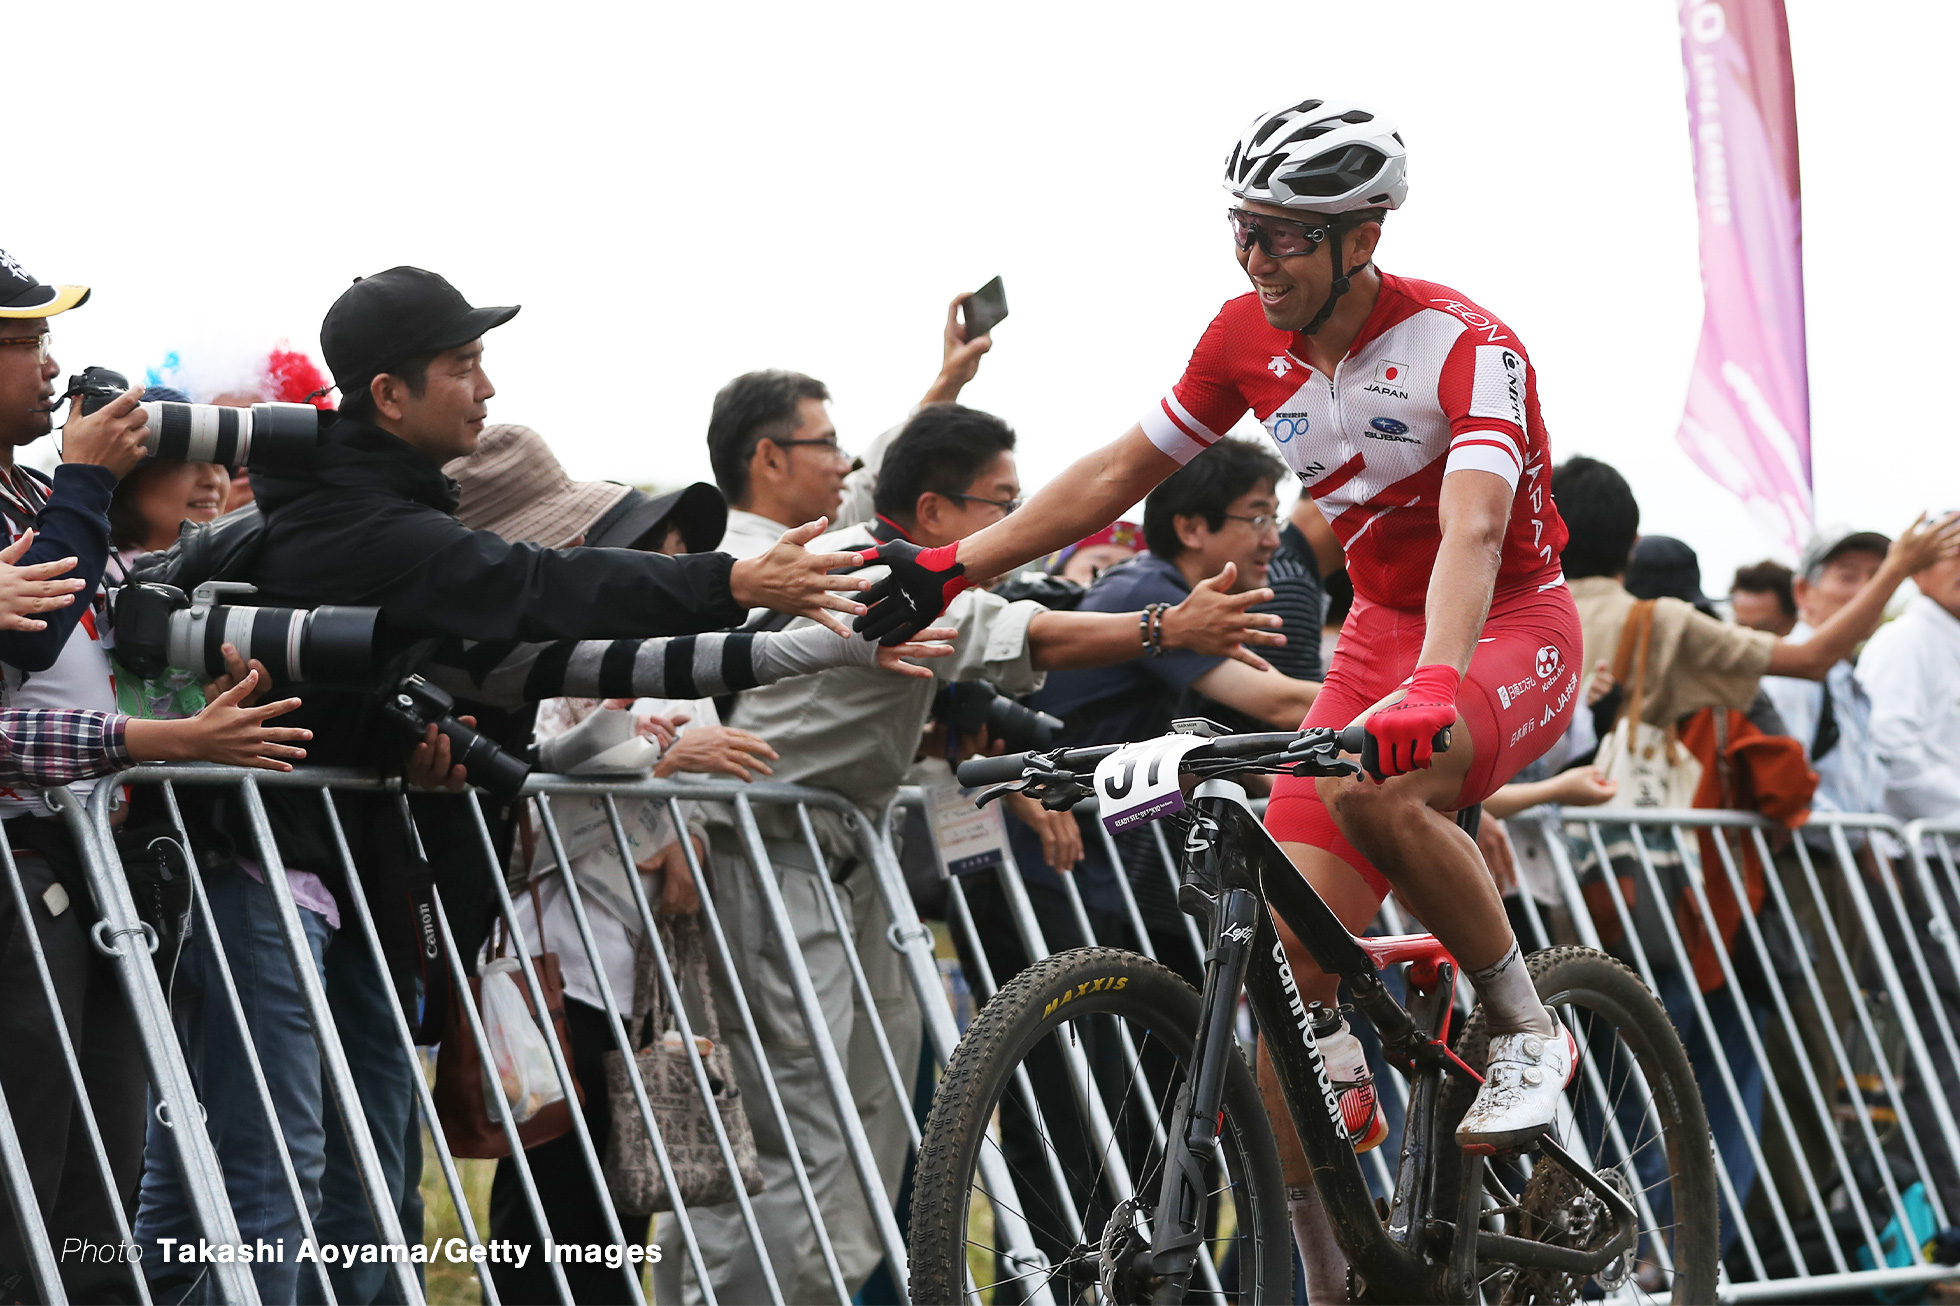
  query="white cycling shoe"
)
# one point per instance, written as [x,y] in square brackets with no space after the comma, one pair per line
[1523,1086]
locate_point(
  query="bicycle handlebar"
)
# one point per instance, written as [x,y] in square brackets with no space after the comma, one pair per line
[1009,766]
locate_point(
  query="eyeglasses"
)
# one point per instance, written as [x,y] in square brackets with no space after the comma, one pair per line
[828,442]
[1279,237]
[39,342]
[1259,523]
[1005,505]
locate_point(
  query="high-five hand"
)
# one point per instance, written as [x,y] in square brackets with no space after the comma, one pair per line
[1216,622]
[789,578]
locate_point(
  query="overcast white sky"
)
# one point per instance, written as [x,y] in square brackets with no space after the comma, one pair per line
[678,195]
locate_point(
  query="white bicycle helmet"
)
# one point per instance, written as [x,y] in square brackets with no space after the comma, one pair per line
[1331,156]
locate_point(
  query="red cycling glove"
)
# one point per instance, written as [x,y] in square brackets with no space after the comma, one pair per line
[921,583]
[1403,734]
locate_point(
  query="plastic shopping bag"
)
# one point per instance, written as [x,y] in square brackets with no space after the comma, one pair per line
[520,1062]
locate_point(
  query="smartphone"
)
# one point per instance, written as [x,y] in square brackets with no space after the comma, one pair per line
[984,309]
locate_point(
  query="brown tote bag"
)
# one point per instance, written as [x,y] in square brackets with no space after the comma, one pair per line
[472,1130]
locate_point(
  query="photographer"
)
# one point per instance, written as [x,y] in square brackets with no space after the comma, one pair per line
[949,473]
[371,522]
[59,691]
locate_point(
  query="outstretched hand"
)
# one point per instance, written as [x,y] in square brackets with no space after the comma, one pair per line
[932,642]
[789,578]
[41,587]
[230,732]
[1218,623]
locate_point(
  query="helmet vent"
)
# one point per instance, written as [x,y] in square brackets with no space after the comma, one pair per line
[1270,126]
[1382,198]
[1232,164]
[1357,116]
[1307,133]
[1306,106]
[1335,174]
[1264,176]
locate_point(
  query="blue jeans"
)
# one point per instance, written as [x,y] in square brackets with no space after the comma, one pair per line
[363,1007]
[268,991]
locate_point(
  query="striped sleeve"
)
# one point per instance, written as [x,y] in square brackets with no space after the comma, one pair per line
[1483,391]
[508,675]
[1204,403]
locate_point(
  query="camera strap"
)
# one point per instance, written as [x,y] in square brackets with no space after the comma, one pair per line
[22,497]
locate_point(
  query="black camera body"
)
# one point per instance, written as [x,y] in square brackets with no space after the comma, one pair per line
[264,438]
[417,705]
[159,626]
[965,706]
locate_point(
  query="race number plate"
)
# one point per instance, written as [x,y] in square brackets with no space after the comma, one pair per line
[1138,782]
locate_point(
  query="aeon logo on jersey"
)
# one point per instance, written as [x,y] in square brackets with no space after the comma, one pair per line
[1280,365]
[1284,426]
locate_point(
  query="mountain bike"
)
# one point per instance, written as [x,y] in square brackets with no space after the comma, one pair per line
[1099,1133]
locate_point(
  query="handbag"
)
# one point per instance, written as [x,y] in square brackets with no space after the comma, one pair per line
[1652,767]
[666,1073]
[467,1122]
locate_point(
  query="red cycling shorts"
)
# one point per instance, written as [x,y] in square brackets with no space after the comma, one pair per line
[1517,698]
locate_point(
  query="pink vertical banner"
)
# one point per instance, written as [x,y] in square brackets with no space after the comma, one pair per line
[1747,422]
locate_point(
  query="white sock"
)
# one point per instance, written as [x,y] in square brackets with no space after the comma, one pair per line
[1313,1233]
[1511,1004]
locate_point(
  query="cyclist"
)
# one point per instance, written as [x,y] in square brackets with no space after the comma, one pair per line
[1410,415]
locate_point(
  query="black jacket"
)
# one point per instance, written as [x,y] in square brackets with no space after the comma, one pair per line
[75,524]
[373,523]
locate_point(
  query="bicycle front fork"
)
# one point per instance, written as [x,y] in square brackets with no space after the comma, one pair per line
[1178,1228]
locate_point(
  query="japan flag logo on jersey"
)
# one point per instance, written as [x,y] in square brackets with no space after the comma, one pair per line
[1396,374]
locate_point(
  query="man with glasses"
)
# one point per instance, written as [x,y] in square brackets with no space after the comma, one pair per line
[62,665]
[1410,415]
[776,455]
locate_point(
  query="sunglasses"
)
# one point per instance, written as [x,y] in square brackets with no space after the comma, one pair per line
[1279,237]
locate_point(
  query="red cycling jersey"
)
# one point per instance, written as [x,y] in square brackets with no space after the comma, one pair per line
[1433,384]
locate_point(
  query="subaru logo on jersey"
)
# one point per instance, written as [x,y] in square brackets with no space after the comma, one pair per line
[1284,426]
[1393,373]
[1389,426]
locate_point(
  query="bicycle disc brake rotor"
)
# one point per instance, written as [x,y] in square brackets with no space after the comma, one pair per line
[1122,1242]
[1556,1208]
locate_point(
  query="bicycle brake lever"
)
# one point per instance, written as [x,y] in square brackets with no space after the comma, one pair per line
[992,792]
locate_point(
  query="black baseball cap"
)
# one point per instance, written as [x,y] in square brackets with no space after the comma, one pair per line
[380,320]
[21,296]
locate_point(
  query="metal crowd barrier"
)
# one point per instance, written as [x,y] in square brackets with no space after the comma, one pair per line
[124,937]
[1827,1023]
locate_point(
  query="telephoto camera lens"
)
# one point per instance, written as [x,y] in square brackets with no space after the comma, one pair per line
[159,626]
[330,645]
[265,437]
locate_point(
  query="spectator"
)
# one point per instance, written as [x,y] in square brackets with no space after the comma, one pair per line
[1833,718]
[948,473]
[406,351]
[60,667]
[160,495]
[1910,669]
[775,453]
[1761,597]
[239,379]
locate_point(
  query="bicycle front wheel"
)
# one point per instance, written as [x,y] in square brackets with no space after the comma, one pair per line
[1633,1116]
[1039,1170]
